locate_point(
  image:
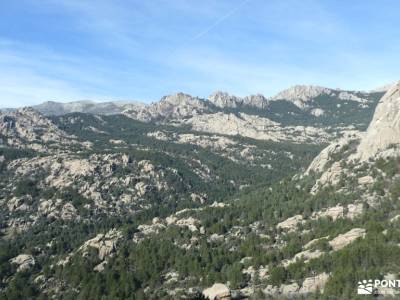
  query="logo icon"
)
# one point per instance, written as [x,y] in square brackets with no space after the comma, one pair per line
[365,287]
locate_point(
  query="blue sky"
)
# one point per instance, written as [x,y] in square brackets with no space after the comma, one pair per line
[66,50]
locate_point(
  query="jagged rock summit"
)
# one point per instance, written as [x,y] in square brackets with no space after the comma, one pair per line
[225,100]
[301,93]
[384,131]
[178,105]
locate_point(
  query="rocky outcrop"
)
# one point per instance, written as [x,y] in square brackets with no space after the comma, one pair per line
[314,284]
[291,223]
[255,127]
[26,128]
[24,262]
[330,177]
[305,255]
[365,180]
[321,161]
[225,100]
[57,209]
[158,225]
[104,243]
[317,112]
[302,95]
[176,106]
[222,100]
[347,238]
[309,285]
[384,130]
[218,291]
[350,211]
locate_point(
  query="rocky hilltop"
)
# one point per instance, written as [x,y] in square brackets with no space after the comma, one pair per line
[52,108]
[178,106]
[303,95]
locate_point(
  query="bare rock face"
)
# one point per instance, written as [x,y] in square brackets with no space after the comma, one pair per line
[306,255]
[57,209]
[24,262]
[330,177]
[170,107]
[224,100]
[26,127]
[289,289]
[104,243]
[347,238]
[255,127]
[218,291]
[290,223]
[221,99]
[301,94]
[317,112]
[312,284]
[384,130]
[335,213]
[339,211]
[354,210]
[320,162]
[258,101]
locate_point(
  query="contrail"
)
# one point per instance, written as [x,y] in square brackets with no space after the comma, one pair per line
[219,21]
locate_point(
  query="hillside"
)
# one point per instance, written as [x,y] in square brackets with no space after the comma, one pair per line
[186,197]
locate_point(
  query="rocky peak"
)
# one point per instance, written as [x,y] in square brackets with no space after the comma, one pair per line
[179,99]
[384,131]
[255,101]
[301,94]
[223,99]
[175,106]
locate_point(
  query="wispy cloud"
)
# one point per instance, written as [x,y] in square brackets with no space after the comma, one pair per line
[220,20]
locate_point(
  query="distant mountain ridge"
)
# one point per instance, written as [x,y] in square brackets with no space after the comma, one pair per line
[52,108]
[302,113]
[301,96]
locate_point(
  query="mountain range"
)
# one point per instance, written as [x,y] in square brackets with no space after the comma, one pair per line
[299,114]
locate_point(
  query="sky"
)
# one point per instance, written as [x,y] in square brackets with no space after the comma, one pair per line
[68,50]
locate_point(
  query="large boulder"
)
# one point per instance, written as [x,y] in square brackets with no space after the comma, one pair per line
[106,244]
[24,262]
[314,284]
[291,223]
[218,291]
[347,238]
